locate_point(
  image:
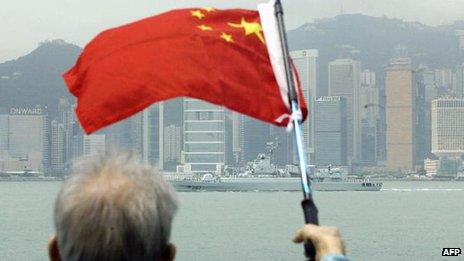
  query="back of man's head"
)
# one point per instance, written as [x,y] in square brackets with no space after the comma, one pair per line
[113,208]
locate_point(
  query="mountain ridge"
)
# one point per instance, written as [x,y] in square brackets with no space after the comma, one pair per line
[374,40]
[35,78]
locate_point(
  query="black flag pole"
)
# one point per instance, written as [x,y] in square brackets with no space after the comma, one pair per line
[309,207]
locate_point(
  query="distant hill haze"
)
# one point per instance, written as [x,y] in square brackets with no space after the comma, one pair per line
[374,40]
[35,79]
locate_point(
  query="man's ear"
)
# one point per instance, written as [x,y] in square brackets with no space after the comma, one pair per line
[53,252]
[169,253]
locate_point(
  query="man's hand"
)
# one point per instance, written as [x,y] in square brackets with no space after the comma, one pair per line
[326,240]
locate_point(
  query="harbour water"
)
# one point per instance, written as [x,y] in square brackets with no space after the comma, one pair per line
[404,221]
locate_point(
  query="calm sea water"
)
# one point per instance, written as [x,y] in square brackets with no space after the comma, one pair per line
[406,221]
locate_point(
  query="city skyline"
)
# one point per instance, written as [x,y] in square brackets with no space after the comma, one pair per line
[167,136]
[161,137]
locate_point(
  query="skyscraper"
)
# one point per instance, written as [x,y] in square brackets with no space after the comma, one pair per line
[370,116]
[138,133]
[422,119]
[57,147]
[77,141]
[94,144]
[401,115]
[152,135]
[306,61]
[121,135]
[448,127]
[170,114]
[431,91]
[172,145]
[458,81]
[448,134]
[285,153]
[344,81]
[67,119]
[237,126]
[4,129]
[28,137]
[256,134]
[444,81]
[330,131]
[229,138]
[204,137]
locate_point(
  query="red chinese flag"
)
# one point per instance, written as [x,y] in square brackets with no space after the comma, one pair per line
[219,56]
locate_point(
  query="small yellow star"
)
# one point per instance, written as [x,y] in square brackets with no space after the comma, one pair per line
[227,37]
[209,9]
[205,27]
[250,28]
[198,14]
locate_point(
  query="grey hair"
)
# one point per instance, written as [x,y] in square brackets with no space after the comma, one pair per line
[114,208]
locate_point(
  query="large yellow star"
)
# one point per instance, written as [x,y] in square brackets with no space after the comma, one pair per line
[205,27]
[227,37]
[250,28]
[198,14]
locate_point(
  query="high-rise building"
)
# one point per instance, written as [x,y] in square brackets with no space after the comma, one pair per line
[138,133]
[431,90]
[57,147]
[448,127]
[94,144]
[426,92]
[67,119]
[4,129]
[444,81]
[170,114]
[330,131]
[381,153]
[422,122]
[256,134]
[284,153]
[152,130]
[344,81]
[204,137]
[28,137]
[121,135]
[237,126]
[458,82]
[229,157]
[172,145]
[77,141]
[148,134]
[370,116]
[401,115]
[306,61]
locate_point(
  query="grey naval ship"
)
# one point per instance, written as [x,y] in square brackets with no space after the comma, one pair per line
[262,175]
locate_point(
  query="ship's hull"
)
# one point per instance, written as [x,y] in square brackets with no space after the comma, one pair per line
[271,184]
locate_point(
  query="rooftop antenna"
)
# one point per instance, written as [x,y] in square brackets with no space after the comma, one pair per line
[341,9]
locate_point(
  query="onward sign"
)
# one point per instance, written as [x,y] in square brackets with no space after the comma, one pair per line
[26,111]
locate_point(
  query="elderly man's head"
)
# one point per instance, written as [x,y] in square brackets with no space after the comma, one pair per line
[113,208]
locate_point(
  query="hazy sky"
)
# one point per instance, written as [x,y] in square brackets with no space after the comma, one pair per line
[24,23]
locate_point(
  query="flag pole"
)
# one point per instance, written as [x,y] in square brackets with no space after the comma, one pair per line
[309,207]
